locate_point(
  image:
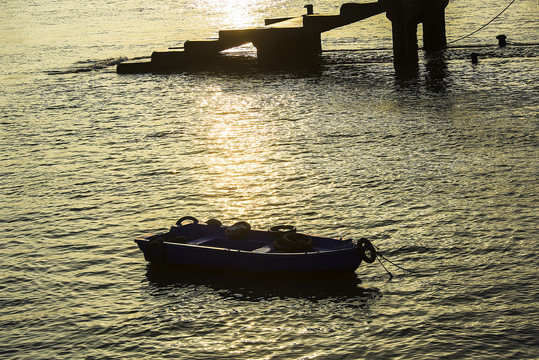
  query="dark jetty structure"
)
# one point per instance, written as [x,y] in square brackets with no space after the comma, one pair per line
[297,40]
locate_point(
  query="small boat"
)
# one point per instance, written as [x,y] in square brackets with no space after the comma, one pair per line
[281,249]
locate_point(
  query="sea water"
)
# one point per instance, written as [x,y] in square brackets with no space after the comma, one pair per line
[439,170]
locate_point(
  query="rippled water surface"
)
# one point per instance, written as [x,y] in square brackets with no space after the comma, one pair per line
[439,170]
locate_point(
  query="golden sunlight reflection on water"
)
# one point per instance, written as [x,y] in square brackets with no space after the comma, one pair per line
[231,13]
[244,159]
[240,161]
[442,179]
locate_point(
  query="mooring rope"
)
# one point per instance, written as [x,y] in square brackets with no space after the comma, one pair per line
[484,26]
[380,261]
[381,256]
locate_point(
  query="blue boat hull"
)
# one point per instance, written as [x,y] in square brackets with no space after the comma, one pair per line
[210,247]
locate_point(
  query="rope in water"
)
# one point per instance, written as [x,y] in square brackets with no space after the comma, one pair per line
[484,26]
[381,256]
[380,261]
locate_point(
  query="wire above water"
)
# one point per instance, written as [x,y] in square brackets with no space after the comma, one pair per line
[484,26]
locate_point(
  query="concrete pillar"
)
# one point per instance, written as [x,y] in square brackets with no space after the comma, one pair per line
[405,15]
[404,20]
[434,27]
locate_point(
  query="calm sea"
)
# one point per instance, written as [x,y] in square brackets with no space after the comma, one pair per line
[439,171]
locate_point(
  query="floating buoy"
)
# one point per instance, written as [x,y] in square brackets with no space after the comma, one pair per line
[474,58]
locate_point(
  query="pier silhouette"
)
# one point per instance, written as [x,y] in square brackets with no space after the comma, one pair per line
[297,40]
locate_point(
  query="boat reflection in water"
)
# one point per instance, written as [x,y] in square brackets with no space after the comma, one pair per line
[256,287]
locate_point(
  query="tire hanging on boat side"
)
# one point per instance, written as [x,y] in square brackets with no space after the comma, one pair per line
[366,250]
[293,242]
[281,230]
[155,252]
[194,220]
[239,230]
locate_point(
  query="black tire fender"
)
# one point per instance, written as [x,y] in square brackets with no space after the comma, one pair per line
[239,230]
[293,242]
[282,230]
[193,219]
[214,222]
[366,250]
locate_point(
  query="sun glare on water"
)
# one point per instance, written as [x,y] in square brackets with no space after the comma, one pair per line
[235,14]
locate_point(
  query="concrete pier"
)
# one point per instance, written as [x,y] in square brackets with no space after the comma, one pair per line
[297,40]
[405,15]
[281,41]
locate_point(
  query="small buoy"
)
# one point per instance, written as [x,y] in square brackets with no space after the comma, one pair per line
[502,40]
[474,58]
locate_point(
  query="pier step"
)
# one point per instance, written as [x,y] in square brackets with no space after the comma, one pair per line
[205,46]
[279,41]
[134,67]
[227,39]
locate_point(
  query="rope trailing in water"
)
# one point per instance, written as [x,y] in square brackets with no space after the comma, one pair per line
[380,261]
[381,256]
[484,26]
